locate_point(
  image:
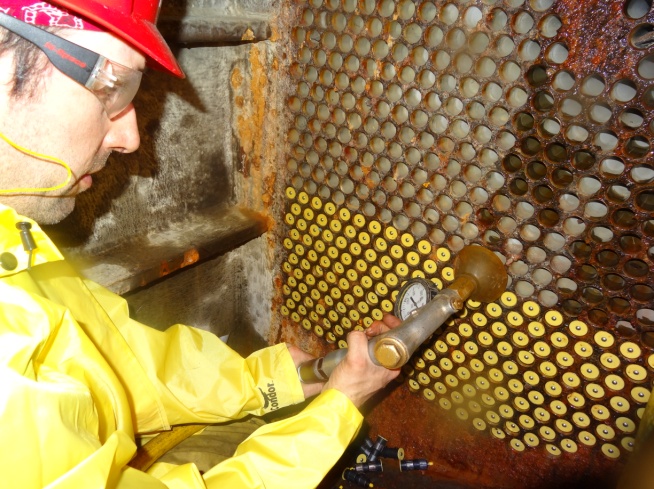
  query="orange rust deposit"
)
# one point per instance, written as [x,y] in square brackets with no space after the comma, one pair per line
[248,35]
[237,78]
[250,123]
[258,86]
[461,454]
[190,257]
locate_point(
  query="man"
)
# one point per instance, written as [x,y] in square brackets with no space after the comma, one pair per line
[78,377]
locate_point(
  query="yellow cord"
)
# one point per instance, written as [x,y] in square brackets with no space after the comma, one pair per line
[40,156]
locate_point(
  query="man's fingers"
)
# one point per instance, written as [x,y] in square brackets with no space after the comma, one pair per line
[376,328]
[357,340]
[387,323]
[391,321]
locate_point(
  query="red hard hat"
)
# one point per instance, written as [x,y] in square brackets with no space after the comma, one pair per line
[134,22]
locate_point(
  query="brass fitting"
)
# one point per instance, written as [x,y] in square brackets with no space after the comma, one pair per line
[391,353]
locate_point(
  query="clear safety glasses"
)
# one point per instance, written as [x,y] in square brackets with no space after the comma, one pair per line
[113,84]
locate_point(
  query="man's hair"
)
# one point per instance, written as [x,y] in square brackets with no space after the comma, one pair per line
[29,64]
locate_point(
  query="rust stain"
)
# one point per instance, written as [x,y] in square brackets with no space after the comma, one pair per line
[605,31]
[250,123]
[258,86]
[248,35]
[237,78]
[473,459]
[190,257]
[274,175]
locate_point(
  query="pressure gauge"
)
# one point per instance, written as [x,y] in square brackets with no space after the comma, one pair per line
[414,294]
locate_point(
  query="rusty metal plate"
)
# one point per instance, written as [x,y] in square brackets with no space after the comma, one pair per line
[523,126]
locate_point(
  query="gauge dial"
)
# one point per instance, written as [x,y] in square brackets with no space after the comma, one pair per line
[414,294]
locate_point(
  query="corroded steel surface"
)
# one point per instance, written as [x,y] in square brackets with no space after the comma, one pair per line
[522,126]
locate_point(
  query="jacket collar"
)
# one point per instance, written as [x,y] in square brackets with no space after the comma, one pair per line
[10,243]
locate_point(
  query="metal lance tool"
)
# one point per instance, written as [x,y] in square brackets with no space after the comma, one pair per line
[479,275]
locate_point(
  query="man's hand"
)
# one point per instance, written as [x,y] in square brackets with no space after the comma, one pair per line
[356,376]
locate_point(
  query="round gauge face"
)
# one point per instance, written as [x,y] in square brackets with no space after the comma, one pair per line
[413,295]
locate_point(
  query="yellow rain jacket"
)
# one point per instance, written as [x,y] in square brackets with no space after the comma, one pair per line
[78,379]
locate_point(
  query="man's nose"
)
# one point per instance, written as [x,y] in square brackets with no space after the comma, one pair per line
[123,135]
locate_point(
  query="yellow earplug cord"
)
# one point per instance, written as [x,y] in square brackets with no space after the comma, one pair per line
[40,156]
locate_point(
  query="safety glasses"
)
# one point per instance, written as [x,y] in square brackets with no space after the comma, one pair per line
[113,84]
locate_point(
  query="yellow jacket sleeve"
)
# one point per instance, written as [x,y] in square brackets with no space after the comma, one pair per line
[201,379]
[295,453]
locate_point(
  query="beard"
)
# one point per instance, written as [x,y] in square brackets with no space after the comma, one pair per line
[53,206]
